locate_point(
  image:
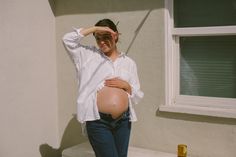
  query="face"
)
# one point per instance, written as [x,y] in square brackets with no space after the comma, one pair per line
[105,42]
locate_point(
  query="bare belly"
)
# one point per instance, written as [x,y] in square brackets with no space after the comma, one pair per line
[113,101]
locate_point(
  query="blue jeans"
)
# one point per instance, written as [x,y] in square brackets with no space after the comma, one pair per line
[109,137]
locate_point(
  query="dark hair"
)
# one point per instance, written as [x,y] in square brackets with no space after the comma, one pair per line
[107,23]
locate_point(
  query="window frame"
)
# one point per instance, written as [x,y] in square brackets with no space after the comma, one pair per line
[174,102]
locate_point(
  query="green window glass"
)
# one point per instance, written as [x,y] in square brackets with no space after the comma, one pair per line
[208,66]
[202,13]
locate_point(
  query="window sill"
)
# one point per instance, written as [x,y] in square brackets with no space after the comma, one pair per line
[195,110]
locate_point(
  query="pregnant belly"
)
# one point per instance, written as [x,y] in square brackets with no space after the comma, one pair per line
[113,101]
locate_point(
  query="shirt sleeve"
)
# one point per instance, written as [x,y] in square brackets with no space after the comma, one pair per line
[136,93]
[78,52]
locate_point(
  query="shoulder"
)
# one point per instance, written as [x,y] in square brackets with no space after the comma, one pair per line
[129,59]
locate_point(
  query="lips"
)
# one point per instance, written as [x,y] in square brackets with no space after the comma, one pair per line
[104,46]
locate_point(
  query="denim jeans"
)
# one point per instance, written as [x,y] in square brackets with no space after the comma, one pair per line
[109,137]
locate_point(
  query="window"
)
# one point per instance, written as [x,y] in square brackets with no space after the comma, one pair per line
[200,57]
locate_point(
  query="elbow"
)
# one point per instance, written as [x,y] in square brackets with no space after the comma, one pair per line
[65,38]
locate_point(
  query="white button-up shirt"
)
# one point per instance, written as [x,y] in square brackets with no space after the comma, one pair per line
[93,68]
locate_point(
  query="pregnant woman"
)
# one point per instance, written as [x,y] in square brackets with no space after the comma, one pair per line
[108,87]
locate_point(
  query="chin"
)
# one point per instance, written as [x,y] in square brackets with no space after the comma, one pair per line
[105,51]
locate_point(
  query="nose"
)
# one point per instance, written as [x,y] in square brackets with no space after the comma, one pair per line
[101,42]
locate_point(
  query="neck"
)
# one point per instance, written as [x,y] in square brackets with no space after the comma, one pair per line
[113,54]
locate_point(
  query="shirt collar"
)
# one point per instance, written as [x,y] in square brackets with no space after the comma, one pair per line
[121,54]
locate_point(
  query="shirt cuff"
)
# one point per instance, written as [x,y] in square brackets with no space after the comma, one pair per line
[136,96]
[78,31]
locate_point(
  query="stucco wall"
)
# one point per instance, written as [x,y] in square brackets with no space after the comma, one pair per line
[38,85]
[205,136]
[28,80]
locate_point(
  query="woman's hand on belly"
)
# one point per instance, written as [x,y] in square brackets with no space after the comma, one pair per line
[118,83]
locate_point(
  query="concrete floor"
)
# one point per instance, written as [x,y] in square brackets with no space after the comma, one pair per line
[85,150]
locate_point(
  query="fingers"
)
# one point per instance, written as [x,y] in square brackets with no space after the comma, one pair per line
[105,29]
[115,82]
[110,31]
[111,82]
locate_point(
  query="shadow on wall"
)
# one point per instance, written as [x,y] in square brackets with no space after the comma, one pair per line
[72,136]
[62,7]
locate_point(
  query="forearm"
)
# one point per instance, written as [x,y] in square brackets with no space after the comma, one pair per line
[72,39]
[89,30]
[93,29]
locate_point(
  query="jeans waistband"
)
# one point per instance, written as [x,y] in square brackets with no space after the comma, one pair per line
[108,117]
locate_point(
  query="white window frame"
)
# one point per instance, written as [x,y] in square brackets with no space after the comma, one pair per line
[174,102]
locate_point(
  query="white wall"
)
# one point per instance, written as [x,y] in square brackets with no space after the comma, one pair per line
[28,78]
[205,136]
[38,86]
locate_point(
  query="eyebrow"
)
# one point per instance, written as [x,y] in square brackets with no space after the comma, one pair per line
[102,34]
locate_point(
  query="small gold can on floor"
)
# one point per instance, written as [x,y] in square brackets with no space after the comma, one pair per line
[182,150]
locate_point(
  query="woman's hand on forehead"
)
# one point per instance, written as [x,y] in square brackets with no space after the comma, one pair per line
[104,30]
[103,37]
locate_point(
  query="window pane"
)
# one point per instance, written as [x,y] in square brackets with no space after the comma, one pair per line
[197,13]
[208,66]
